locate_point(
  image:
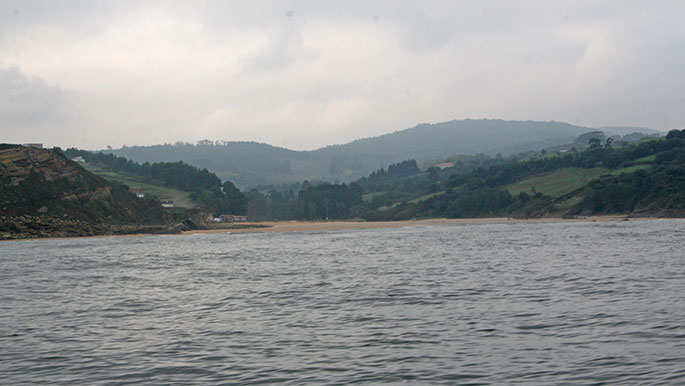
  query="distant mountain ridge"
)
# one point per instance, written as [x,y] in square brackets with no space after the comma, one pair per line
[250,164]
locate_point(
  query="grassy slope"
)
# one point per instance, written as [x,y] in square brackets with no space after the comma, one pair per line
[425,197]
[566,180]
[181,199]
[557,183]
[647,159]
[369,196]
[631,169]
[554,184]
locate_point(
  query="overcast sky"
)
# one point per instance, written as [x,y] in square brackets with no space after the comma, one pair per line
[304,74]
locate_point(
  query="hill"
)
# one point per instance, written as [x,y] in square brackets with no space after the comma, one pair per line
[42,193]
[643,178]
[186,185]
[244,163]
[149,187]
[250,164]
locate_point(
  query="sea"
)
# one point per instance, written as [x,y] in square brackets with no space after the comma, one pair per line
[517,303]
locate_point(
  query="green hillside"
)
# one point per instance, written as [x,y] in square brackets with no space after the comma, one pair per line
[631,169]
[44,181]
[180,198]
[558,183]
[645,177]
[186,185]
[250,164]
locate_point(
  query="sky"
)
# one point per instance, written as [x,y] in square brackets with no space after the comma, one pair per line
[306,74]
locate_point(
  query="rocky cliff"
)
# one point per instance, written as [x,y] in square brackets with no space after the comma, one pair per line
[17,163]
[42,190]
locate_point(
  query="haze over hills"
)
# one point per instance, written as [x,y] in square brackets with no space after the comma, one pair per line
[250,164]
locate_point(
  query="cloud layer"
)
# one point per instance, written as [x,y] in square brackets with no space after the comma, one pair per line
[304,74]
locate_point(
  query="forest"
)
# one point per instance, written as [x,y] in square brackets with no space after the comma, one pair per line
[205,187]
[251,164]
[642,177]
[646,176]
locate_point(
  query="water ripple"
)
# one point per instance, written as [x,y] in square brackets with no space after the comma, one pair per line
[561,303]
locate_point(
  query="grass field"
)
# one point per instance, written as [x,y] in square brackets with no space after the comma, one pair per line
[425,197]
[631,169]
[566,180]
[180,198]
[647,159]
[558,183]
[369,196]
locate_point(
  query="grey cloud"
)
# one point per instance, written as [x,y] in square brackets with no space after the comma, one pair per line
[74,16]
[30,102]
[284,48]
[155,71]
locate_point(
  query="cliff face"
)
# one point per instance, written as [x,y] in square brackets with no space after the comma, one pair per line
[18,162]
[44,182]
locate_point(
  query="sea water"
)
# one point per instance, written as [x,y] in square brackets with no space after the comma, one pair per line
[534,303]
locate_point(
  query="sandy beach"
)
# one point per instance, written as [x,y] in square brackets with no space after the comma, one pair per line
[309,226]
[317,226]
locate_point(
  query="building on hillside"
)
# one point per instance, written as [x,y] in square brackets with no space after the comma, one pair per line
[445,165]
[79,159]
[232,218]
[36,145]
[138,192]
[167,204]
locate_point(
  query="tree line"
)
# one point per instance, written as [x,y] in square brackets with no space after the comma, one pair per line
[204,186]
[479,190]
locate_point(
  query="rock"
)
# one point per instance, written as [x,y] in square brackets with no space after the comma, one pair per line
[176,228]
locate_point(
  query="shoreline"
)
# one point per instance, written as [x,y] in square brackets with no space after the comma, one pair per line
[317,226]
[321,226]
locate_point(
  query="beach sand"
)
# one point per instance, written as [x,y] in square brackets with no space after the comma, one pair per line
[314,226]
[309,226]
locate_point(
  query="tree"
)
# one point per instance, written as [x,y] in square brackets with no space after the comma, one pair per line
[676,134]
[257,206]
[594,143]
[236,201]
[433,173]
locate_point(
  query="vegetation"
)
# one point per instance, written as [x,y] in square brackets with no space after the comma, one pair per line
[45,183]
[177,180]
[605,178]
[645,177]
[662,187]
[250,164]
[150,188]
[557,183]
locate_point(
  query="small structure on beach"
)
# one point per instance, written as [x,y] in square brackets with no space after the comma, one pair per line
[232,218]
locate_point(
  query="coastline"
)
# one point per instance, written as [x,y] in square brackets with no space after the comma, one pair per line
[317,226]
[321,226]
